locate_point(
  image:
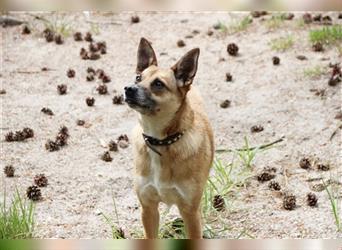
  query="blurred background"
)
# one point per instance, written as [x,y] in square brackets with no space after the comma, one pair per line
[175,5]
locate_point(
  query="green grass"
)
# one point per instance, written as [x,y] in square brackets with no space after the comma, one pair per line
[315,72]
[282,43]
[276,21]
[226,179]
[17,220]
[115,228]
[240,25]
[335,206]
[326,35]
[59,26]
[235,26]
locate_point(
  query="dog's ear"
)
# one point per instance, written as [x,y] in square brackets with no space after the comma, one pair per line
[146,56]
[185,69]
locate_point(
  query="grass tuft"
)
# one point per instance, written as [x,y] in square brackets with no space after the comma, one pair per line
[282,43]
[17,220]
[335,205]
[326,35]
[276,21]
[315,72]
[240,25]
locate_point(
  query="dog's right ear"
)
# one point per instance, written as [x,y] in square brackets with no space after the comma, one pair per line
[146,56]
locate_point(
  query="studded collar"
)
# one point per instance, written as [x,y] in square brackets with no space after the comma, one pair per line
[152,141]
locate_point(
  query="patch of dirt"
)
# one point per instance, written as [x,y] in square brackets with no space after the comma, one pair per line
[81,185]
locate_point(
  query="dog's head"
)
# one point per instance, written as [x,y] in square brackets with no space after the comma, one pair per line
[160,91]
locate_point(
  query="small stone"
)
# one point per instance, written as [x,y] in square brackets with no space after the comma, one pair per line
[80,122]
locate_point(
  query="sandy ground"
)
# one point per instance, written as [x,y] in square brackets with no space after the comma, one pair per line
[81,185]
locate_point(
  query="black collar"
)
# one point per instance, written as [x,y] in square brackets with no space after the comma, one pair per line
[151,141]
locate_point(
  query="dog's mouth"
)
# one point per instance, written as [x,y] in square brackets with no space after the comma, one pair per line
[135,104]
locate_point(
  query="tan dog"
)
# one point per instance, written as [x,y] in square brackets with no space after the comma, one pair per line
[173,143]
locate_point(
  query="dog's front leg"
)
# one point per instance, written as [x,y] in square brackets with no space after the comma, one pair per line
[150,219]
[192,222]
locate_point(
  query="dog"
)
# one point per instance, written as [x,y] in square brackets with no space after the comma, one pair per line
[173,144]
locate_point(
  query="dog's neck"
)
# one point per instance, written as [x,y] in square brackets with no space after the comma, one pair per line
[163,126]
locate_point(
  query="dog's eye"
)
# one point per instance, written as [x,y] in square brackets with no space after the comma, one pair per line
[138,78]
[157,84]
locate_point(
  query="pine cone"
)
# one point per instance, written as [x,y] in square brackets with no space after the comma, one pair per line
[51,146]
[218,203]
[102,89]
[135,19]
[273,185]
[307,18]
[180,43]
[113,146]
[84,54]
[90,77]
[275,60]
[71,73]
[232,49]
[94,56]
[90,101]
[106,157]
[28,133]
[225,104]
[19,136]
[305,163]
[318,47]
[40,180]
[88,37]
[123,137]
[47,111]
[93,47]
[9,137]
[100,73]
[106,79]
[90,70]
[323,167]
[229,77]
[289,202]
[62,89]
[9,171]
[61,139]
[64,130]
[257,128]
[118,99]
[33,193]
[59,39]
[26,30]
[266,175]
[78,36]
[311,199]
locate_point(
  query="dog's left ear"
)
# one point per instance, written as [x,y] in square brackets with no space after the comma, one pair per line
[185,69]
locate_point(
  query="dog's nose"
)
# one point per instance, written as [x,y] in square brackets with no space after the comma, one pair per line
[130,90]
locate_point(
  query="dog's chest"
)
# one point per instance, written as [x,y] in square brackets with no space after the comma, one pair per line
[158,183]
